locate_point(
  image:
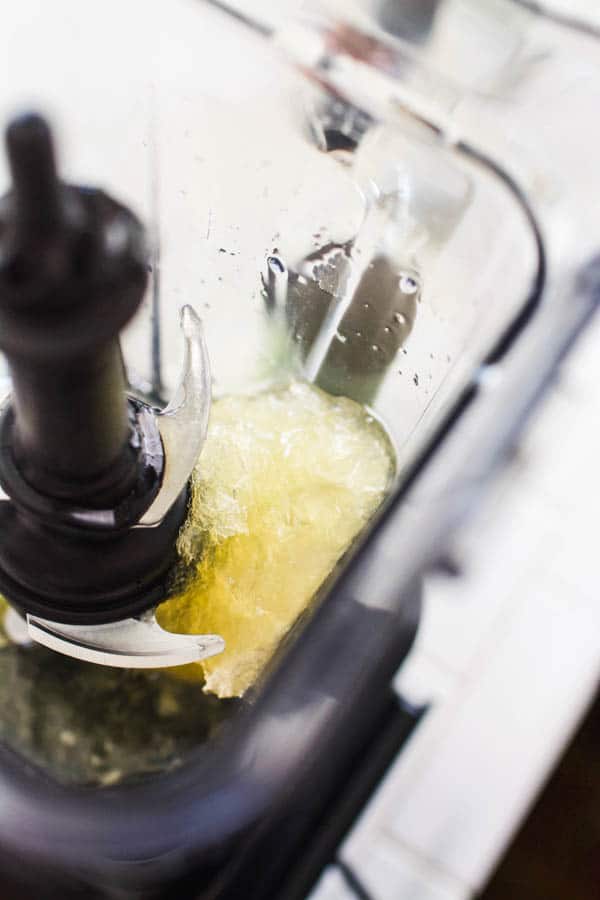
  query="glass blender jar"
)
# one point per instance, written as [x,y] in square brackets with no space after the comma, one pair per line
[321,238]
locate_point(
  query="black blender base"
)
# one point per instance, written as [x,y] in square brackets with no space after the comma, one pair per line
[276,853]
[292,850]
[303,839]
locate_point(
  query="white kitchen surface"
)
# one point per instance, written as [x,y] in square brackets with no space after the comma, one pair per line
[508,655]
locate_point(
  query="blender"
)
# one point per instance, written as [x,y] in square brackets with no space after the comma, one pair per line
[337,229]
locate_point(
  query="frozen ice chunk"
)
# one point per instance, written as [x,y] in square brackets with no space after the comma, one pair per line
[286,480]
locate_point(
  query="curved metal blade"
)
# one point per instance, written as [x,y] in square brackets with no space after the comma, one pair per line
[129,644]
[184,422]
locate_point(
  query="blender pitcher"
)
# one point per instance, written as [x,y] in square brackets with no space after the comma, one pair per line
[303,234]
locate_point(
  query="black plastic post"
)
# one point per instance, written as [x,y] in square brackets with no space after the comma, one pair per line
[71,428]
[79,461]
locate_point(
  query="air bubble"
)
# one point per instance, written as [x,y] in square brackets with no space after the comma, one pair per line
[407,284]
[399,318]
[274,263]
[341,337]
